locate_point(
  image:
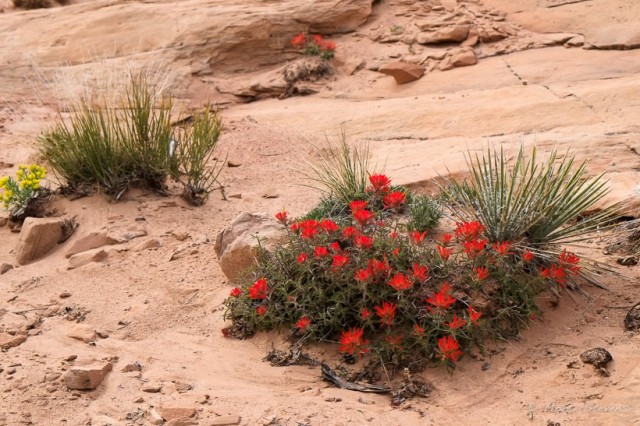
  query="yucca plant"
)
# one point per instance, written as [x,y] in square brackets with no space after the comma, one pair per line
[536,204]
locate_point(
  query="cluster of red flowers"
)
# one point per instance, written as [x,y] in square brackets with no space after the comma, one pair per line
[314,45]
[351,342]
[567,265]
[387,267]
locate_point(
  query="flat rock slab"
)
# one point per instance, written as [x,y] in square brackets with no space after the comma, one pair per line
[87,377]
[39,236]
[8,341]
[402,72]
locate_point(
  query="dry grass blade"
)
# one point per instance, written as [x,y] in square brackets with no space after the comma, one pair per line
[342,171]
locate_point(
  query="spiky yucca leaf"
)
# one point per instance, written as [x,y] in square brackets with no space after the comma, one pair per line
[536,204]
[539,201]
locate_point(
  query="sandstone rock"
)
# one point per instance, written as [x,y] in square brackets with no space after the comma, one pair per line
[461,58]
[225,420]
[151,243]
[351,65]
[40,235]
[152,388]
[576,41]
[403,72]
[236,245]
[619,36]
[455,33]
[83,332]
[182,387]
[134,366]
[90,241]
[434,21]
[182,421]
[101,420]
[5,267]
[87,377]
[155,418]
[81,259]
[8,341]
[489,35]
[134,231]
[176,412]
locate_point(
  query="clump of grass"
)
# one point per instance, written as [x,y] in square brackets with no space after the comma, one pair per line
[113,147]
[116,145]
[341,171]
[195,154]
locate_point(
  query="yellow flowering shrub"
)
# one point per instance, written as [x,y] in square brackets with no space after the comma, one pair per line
[18,193]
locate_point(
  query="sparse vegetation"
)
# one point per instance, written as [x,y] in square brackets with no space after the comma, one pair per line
[24,196]
[114,147]
[537,205]
[362,268]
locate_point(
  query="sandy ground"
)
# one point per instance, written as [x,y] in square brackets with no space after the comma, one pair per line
[168,315]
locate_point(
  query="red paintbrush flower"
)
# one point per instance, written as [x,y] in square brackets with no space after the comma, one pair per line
[386,312]
[339,260]
[351,342]
[527,256]
[302,257]
[482,272]
[394,200]
[329,45]
[395,342]
[444,252]
[282,216]
[261,310]
[259,289]
[456,322]
[569,259]
[329,225]
[299,40]
[235,292]
[363,216]
[441,300]
[365,313]
[468,231]
[502,248]
[362,275]
[380,183]
[473,248]
[358,205]
[449,348]
[320,251]
[363,241]
[474,315]
[417,237]
[303,323]
[420,273]
[400,282]
[349,232]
